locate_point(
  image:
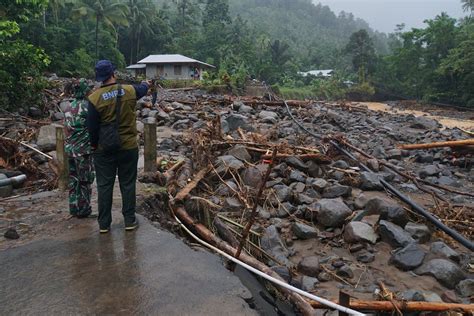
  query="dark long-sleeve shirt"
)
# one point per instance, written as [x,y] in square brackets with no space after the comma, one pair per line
[93,116]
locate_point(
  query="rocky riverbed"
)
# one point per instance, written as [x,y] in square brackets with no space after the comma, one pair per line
[323,224]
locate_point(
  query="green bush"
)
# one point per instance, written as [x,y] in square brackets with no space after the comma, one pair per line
[21,68]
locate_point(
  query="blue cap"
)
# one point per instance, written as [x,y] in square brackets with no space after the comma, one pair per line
[104,69]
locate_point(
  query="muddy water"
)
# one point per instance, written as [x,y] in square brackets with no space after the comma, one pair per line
[447,122]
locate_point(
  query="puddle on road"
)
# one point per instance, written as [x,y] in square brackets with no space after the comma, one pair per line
[447,122]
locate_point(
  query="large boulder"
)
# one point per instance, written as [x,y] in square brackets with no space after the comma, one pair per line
[419,232]
[441,249]
[303,231]
[421,122]
[466,287]
[370,181]
[46,140]
[309,266]
[332,212]
[272,243]
[337,190]
[224,163]
[358,231]
[409,257]
[388,209]
[240,152]
[446,272]
[234,121]
[268,117]
[394,234]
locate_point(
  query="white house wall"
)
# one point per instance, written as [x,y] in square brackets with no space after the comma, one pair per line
[168,71]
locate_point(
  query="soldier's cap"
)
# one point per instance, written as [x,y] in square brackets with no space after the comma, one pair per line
[104,69]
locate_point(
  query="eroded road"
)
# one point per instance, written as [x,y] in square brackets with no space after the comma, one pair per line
[150,271]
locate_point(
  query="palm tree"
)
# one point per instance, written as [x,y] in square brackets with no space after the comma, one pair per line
[140,18]
[108,12]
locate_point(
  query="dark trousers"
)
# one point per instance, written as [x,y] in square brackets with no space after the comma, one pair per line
[107,166]
[154,98]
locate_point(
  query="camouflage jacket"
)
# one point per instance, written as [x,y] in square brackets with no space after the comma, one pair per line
[77,134]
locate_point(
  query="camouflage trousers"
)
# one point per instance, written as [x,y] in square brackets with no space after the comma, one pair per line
[81,177]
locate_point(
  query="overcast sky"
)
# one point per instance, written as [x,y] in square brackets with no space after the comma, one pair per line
[384,15]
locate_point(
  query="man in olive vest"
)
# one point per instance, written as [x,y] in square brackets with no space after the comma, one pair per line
[102,111]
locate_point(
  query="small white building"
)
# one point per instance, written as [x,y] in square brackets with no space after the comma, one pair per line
[170,66]
[325,73]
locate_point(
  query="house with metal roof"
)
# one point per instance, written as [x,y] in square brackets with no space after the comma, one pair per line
[325,73]
[170,66]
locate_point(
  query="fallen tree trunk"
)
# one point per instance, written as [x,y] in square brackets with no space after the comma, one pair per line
[317,157]
[301,304]
[455,143]
[403,306]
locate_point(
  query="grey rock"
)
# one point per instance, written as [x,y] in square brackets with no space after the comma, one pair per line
[345,271]
[240,152]
[408,258]
[394,234]
[11,233]
[268,117]
[458,199]
[296,163]
[373,164]
[446,272]
[466,287]
[394,154]
[379,152]
[332,212]
[298,187]
[235,121]
[421,122]
[370,181]
[232,204]
[314,170]
[365,257]
[341,164]
[303,231]
[308,283]
[440,248]
[309,266]
[140,127]
[46,140]
[283,192]
[424,157]
[297,176]
[428,171]
[445,180]
[252,177]
[319,184]
[149,120]
[283,272]
[388,209]
[224,190]
[337,190]
[162,115]
[34,112]
[223,163]
[5,190]
[358,231]
[145,112]
[419,232]
[245,109]
[272,243]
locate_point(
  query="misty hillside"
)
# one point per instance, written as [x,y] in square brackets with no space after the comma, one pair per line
[314,33]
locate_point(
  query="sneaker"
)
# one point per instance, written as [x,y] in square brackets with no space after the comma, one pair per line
[132,226]
[104,230]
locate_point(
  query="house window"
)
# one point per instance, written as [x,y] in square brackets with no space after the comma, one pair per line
[177,70]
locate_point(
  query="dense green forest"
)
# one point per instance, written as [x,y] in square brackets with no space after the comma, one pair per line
[270,40]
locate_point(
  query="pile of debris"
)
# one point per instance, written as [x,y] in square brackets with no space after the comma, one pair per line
[324,224]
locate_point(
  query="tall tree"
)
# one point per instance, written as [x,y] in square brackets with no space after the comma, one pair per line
[361,48]
[140,18]
[111,13]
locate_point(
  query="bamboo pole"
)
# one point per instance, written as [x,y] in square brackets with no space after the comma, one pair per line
[63,180]
[454,143]
[402,305]
[149,137]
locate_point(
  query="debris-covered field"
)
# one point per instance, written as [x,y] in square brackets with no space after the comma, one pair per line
[323,223]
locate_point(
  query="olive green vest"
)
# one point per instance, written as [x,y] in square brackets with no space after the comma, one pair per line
[104,100]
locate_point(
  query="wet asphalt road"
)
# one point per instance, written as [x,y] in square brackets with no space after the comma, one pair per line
[149,271]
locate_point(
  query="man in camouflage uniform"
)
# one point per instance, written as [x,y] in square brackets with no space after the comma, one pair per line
[78,148]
